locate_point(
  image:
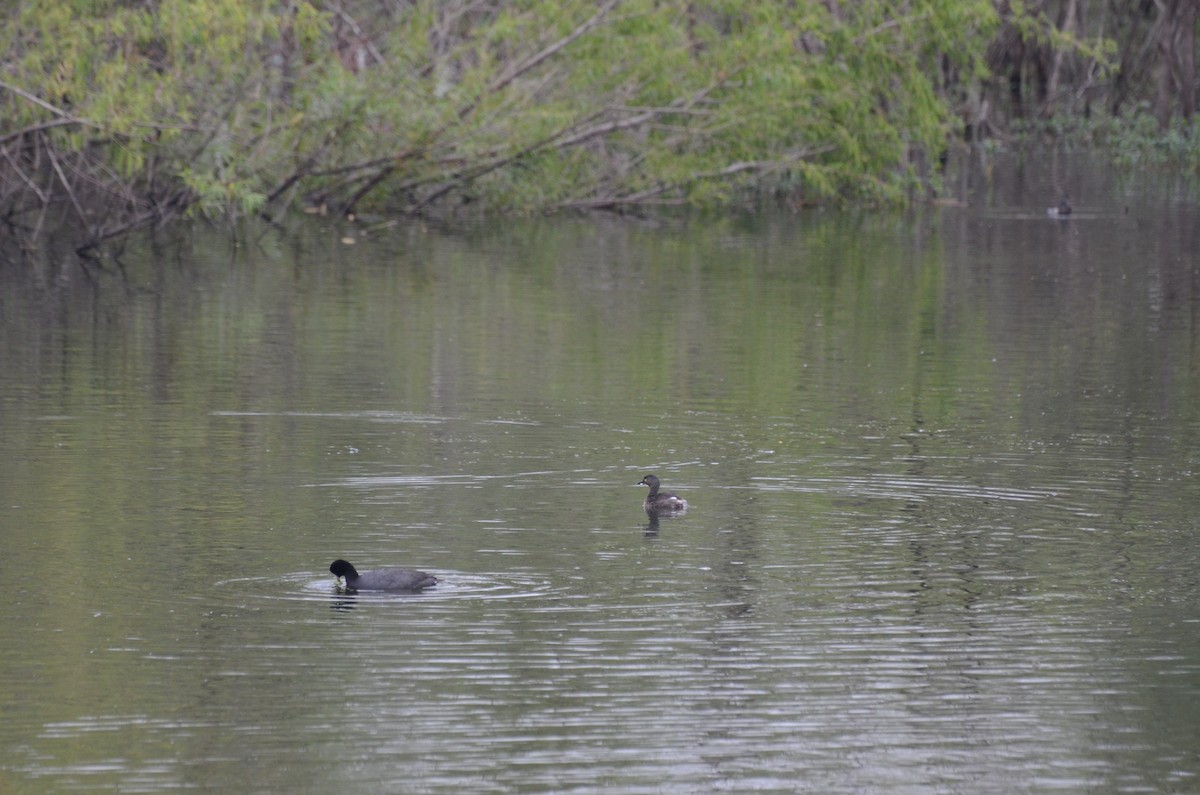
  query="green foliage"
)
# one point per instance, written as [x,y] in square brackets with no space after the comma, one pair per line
[182,91]
[527,104]
[763,93]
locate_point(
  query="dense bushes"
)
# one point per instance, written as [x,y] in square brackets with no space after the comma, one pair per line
[118,113]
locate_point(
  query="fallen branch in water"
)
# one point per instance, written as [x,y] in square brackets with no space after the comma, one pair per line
[650,196]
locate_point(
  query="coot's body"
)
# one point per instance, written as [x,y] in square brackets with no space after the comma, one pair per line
[410,580]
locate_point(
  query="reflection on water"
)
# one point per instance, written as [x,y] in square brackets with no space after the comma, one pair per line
[940,538]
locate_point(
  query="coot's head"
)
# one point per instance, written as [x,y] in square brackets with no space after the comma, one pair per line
[340,568]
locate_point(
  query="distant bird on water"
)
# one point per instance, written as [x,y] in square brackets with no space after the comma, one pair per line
[409,580]
[660,502]
[1063,208]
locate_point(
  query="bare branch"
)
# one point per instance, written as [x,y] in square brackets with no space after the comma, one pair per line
[42,197]
[67,187]
[370,185]
[176,203]
[304,169]
[41,103]
[682,104]
[520,68]
[462,178]
[37,128]
[532,61]
[649,195]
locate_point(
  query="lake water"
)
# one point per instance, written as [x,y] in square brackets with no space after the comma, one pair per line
[942,469]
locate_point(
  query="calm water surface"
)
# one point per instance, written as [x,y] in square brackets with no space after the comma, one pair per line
[942,470]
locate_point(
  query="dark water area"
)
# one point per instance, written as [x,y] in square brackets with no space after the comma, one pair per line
[941,468]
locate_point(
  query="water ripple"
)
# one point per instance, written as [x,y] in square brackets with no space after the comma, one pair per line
[452,585]
[900,488]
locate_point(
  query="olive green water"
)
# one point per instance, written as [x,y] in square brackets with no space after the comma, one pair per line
[942,470]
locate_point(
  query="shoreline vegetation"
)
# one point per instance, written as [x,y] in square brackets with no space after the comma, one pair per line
[119,115]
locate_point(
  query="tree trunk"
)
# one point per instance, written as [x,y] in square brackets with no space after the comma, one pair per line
[1177,60]
[1067,25]
[1187,58]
